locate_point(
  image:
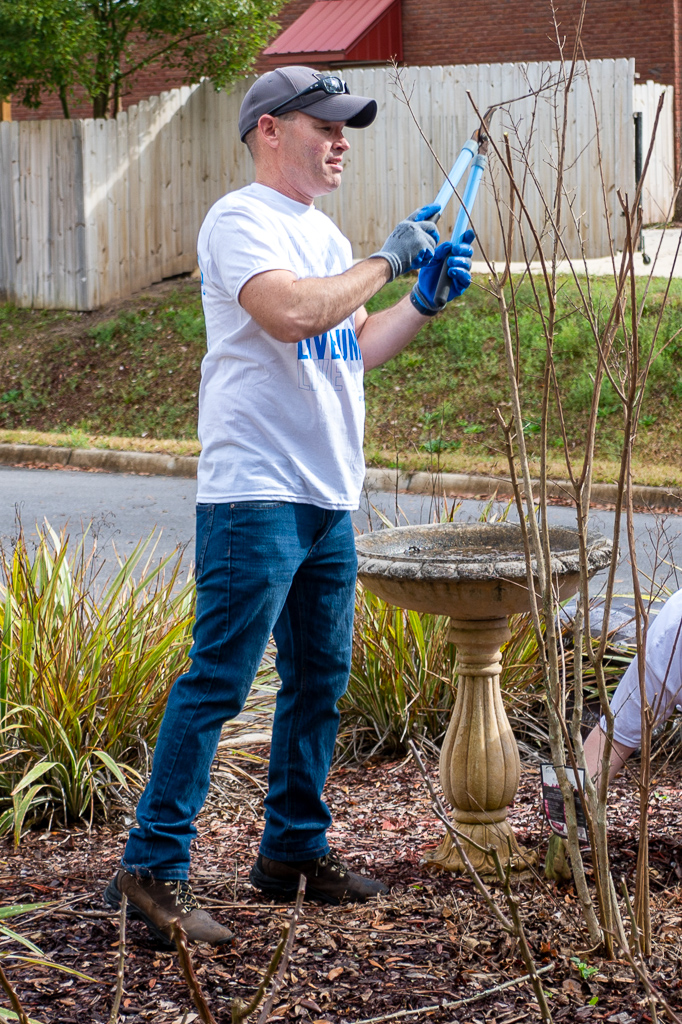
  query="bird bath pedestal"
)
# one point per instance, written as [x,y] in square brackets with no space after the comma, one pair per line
[476,574]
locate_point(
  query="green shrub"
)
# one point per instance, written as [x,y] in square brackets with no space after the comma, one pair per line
[85,668]
[401,680]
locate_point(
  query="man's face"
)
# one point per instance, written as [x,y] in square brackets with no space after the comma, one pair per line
[310,154]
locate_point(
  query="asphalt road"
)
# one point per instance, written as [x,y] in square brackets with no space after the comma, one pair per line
[122,509]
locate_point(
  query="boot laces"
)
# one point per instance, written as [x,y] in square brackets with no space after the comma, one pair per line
[184,896]
[332,861]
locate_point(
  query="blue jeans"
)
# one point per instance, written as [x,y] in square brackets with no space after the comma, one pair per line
[261,568]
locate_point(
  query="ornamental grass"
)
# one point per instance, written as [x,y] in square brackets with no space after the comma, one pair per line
[85,669]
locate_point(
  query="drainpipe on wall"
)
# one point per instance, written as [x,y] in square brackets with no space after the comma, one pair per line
[5,110]
[677,100]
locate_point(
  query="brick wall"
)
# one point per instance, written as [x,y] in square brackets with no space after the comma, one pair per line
[517,30]
[449,32]
[496,31]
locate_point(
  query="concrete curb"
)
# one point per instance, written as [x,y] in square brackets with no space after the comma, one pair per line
[148,463]
[470,484]
[450,484]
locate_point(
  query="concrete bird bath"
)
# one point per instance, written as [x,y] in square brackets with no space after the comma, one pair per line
[476,574]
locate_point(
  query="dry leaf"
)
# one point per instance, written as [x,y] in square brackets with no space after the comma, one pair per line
[310,1004]
[572,987]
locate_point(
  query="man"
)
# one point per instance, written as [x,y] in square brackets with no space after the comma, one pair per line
[281,415]
[663,676]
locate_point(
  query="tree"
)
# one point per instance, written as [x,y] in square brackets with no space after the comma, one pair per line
[40,48]
[98,46]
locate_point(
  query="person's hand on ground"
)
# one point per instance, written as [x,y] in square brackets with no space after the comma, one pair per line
[411,244]
[458,259]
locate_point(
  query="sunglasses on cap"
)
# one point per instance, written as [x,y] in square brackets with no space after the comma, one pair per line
[330,84]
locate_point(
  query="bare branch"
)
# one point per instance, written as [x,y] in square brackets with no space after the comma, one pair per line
[437,803]
[286,956]
[13,998]
[120,974]
[198,998]
[450,1005]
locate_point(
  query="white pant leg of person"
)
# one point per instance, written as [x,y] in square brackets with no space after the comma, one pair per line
[663,677]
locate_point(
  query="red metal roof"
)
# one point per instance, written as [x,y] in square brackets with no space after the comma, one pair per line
[334,28]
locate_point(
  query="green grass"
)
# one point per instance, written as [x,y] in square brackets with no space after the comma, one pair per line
[133,374]
[438,398]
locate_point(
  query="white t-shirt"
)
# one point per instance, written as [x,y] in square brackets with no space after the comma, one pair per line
[663,676]
[277,421]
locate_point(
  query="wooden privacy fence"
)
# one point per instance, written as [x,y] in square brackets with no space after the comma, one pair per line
[94,210]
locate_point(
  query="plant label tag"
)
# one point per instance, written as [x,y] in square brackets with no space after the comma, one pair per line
[553,801]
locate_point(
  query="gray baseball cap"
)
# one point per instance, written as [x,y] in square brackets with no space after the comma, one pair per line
[318,93]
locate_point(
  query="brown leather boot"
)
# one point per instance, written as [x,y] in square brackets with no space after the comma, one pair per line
[328,880]
[159,902]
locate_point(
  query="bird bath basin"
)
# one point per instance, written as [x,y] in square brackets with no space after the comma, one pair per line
[476,574]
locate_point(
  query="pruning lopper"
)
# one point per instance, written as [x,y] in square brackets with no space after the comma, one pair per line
[476,149]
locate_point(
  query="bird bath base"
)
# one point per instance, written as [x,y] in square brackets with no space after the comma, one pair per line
[476,574]
[498,836]
[479,761]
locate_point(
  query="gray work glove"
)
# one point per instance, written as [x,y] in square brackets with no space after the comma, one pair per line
[411,244]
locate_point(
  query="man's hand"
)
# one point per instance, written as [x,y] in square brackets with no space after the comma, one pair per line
[411,244]
[458,259]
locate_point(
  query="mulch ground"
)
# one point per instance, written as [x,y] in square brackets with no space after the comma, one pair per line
[431,943]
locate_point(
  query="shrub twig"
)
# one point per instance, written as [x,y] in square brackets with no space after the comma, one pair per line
[515,925]
[286,954]
[13,998]
[437,804]
[520,934]
[120,974]
[281,957]
[457,1003]
[195,990]
[640,968]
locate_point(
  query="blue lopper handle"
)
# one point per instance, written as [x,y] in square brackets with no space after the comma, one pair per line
[469,149]
[462,222]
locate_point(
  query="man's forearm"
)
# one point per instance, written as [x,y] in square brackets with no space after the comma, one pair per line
[291,308]
[594,751]
[385,334]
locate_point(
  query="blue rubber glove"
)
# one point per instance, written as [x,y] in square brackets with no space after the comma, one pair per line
[458,257]
[411,244]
